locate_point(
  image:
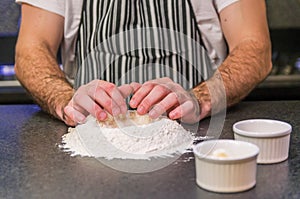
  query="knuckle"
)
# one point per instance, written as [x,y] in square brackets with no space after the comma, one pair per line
[174,86]
[110,87]
[174,95]
[77,97]
[95,81]
[89,88]
[180,97]
[80,90]
[161,89]
[167,79]
[149,84]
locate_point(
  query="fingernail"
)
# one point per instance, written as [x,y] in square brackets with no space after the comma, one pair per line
[153,114]
[102,116]
[172,115]
[133,103]
[141,110]
[81,119]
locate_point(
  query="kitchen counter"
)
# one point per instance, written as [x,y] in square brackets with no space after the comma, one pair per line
[33,166]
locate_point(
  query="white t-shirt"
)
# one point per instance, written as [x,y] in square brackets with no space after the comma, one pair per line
[206,12]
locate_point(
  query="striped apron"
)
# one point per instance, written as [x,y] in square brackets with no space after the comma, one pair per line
[122,41]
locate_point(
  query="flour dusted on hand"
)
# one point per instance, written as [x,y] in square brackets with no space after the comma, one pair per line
[131,137]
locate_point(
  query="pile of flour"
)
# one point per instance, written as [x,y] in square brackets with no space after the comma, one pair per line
[160,138]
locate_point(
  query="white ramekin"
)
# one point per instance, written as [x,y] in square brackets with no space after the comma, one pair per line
[234,173]
[271,136]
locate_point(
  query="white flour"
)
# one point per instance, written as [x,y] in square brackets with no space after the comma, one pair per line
[158,139]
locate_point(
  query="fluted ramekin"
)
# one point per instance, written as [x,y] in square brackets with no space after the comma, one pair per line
[271,136]
[232,170]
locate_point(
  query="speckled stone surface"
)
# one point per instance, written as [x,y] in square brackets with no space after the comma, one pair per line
[33,166]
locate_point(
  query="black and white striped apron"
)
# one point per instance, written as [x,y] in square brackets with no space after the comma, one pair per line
[122,41]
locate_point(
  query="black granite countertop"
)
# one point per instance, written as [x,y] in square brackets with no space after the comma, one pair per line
[33,166]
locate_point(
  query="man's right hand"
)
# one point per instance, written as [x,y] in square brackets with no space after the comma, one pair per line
[96,98]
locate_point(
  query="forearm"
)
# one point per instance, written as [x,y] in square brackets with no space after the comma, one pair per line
[38,71]
[246,66]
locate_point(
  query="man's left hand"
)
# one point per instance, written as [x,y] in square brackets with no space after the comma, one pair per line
[162,95]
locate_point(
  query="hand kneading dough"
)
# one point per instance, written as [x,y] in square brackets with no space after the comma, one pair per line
[132,118]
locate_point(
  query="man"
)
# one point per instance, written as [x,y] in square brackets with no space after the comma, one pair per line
[242,25]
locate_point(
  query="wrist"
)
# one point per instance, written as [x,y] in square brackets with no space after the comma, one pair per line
[61,102]
[203,96]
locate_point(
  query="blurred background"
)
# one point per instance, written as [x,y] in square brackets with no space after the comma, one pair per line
[282,84]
